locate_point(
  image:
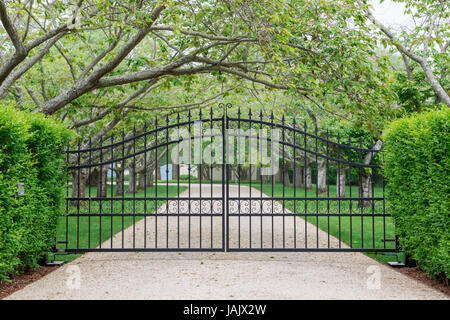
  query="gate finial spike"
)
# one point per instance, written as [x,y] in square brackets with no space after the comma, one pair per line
[271,115]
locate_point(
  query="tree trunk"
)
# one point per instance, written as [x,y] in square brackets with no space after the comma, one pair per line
[150,176]
[119,181]
[298,176]
[94,177]
[175,171]
[132,180]
[102,186]
[278,176]
[158,171]
[321,177]
[206,172]
[199,172]
[308,182]
[364,191]
[340,182]
[437,87]
[141,181]
[286,180]
[234,174]
[242,173]
[79,180]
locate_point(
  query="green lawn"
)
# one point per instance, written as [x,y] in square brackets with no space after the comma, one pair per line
[357,232]
[89,232]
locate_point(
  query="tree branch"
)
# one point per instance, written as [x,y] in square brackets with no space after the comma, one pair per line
[422,61]
[84,85]
[16,74]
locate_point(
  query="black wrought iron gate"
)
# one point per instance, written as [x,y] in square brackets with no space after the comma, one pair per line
[224,181]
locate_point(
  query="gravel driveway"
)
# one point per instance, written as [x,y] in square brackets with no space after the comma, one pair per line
[231,275]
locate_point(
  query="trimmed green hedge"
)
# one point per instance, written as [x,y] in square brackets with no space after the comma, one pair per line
[417,169]
[31,152]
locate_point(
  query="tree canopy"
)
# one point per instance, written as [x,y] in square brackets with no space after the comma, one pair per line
[101,64]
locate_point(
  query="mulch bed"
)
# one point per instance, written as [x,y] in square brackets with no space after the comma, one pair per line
[22,280]
[421,276]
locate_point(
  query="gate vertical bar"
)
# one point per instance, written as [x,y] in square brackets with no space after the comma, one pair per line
[239,176]
[78,194]
[178,180]
[225,178]
[112,186]
[317,189]
[134,186]
[295,187]
[350,187]
[145,185]
[384,208]
[328,190]
[372,187]
[211,178]
[250,172]
[260,175]
[89,188]
[156,182]
[99,188]
[306,186]
[67,199]
[283,172]
[201,175]
[338,182]
[189,180]
[167,181]
[273,173]
[360,195]
[123,187]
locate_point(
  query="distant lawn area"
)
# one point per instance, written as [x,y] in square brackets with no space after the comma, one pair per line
[357,232]
[89,232]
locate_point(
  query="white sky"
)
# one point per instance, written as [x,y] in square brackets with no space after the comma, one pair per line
[391,14]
